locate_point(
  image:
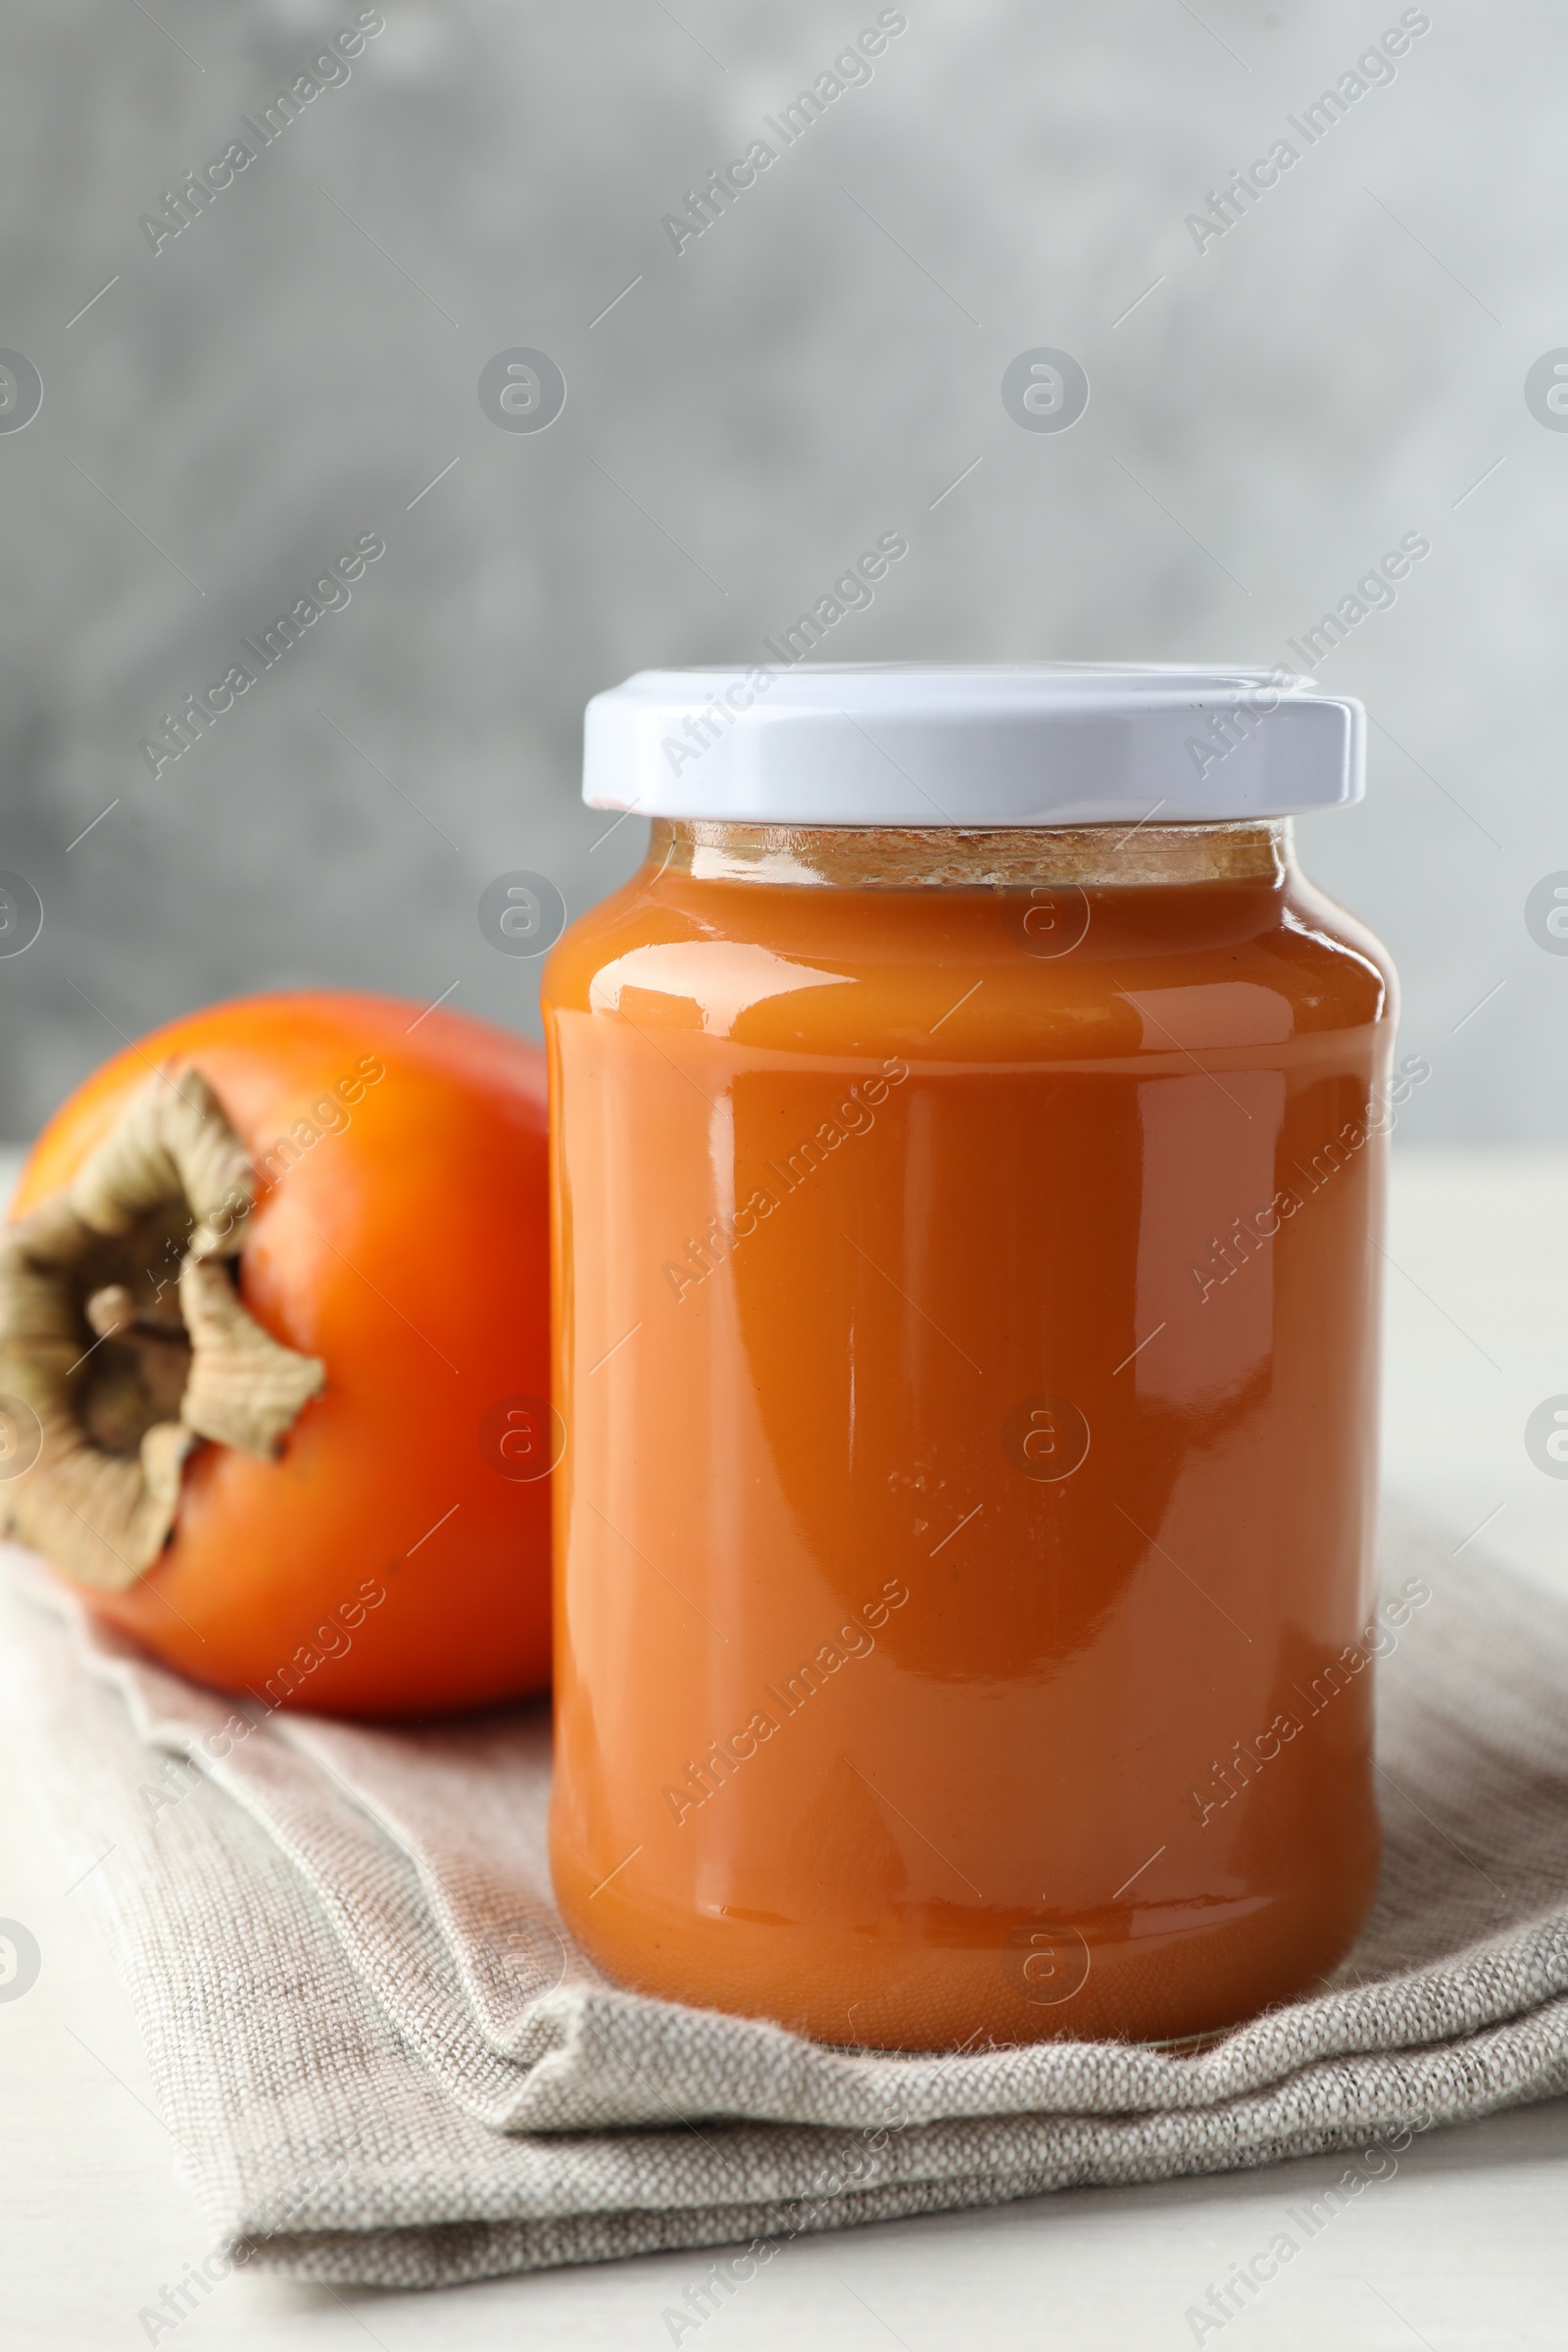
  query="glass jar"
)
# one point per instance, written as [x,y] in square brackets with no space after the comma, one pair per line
[966,1297]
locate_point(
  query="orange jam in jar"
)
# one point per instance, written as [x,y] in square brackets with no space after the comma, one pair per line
[966,1213]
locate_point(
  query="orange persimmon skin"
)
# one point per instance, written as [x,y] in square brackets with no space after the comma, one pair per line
[408,1248]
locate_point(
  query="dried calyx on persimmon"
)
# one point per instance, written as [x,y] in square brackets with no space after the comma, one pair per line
[121,1330]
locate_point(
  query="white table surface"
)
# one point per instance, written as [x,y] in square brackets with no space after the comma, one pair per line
[1465,2246]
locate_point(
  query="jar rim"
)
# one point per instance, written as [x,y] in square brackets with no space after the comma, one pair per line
[1019,858]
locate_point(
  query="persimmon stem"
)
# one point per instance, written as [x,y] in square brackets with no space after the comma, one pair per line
[122,1332]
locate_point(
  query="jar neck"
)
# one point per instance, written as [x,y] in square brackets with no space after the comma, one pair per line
[906,858]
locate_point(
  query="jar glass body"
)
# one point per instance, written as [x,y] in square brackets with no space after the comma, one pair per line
[966,1301]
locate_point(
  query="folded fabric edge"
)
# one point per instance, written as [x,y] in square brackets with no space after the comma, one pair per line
[1503,1979]
[458,2253]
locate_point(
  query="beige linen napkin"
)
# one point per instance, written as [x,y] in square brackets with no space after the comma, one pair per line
[382,2060]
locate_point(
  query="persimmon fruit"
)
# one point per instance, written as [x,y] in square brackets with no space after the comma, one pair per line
[273,1316]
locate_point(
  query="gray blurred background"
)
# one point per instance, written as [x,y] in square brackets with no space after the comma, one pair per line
[1345,366]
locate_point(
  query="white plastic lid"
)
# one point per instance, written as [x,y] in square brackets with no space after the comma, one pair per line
[916,744]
